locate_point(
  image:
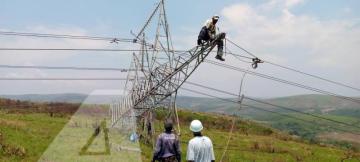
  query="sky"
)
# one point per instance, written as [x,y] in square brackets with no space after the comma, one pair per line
[320,37]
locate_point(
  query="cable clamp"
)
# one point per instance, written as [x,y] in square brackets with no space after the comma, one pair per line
[255,63]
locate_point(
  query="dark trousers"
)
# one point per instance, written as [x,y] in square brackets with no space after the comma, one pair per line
[204,37]
[169,159]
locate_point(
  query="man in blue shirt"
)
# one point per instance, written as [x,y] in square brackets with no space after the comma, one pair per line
[167,146]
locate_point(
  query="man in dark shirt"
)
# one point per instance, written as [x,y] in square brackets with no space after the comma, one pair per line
[208,33]
[167,146]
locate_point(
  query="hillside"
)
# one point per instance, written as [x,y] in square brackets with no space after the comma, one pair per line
[250,141]
[313,130]
[308,127]
[309,103]
[25,135]
[306,103]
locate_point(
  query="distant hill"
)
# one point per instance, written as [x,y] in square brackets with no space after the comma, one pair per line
[313,103]
[65,97]
[319,105]
[322,104]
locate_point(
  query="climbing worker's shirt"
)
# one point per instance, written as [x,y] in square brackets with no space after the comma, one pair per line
[211,28]
[200,149]
[167,145]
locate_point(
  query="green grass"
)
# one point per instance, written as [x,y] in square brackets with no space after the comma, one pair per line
[31,132]
[251,141]
[310,130]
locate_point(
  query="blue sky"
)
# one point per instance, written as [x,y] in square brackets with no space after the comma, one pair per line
[298,33]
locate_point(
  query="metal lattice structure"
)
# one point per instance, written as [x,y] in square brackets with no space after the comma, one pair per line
[159,71]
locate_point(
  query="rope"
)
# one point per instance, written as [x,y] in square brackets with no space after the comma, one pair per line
[241,48]
[234,118]
[177,115]
[228,141]
[177,120]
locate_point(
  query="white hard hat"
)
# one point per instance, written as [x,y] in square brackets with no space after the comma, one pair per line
[196,126]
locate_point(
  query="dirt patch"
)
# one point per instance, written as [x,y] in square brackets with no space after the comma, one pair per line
[353,138]
[12,123]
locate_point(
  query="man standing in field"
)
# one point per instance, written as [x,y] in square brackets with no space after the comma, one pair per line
[200,148]
[167,146]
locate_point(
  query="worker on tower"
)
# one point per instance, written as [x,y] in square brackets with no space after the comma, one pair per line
[167,146]
[200,148]
[208,34]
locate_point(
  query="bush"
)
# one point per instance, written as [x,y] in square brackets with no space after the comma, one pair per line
[256,146]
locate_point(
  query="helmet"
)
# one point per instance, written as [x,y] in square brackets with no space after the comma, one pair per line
[196,126]
[216,17]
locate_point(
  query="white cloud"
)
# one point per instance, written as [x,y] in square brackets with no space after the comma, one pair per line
[271,30]
[291,3]
[283,3]
[316,42]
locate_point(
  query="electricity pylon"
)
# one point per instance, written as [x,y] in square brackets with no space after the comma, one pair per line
[159,70]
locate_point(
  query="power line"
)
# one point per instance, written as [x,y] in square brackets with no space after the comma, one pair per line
[66,68]
[297,111]
[106,50]
[70,49]
[73,79]
[90,49]
[261,109]
[314,76]
[292,69]
[42,35]
[267,103]
[132,40]
[282,81]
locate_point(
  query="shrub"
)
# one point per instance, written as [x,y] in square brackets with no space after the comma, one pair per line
[256,146]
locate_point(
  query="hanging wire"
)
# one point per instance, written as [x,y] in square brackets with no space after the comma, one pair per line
[293,69]
[283,81]
[234,118]
[269,111]
[273,105]
[64,36]
[49,79]
[65,68]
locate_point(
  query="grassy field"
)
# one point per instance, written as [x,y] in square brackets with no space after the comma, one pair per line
[253,142]
[29,137]
[24,137]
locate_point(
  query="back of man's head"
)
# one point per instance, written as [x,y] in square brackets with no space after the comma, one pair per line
[168,125]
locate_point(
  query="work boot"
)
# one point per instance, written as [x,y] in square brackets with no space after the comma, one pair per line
[219,54]
[219,58]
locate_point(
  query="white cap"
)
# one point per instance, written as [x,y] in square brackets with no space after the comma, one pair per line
[196,126]
[216,17]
